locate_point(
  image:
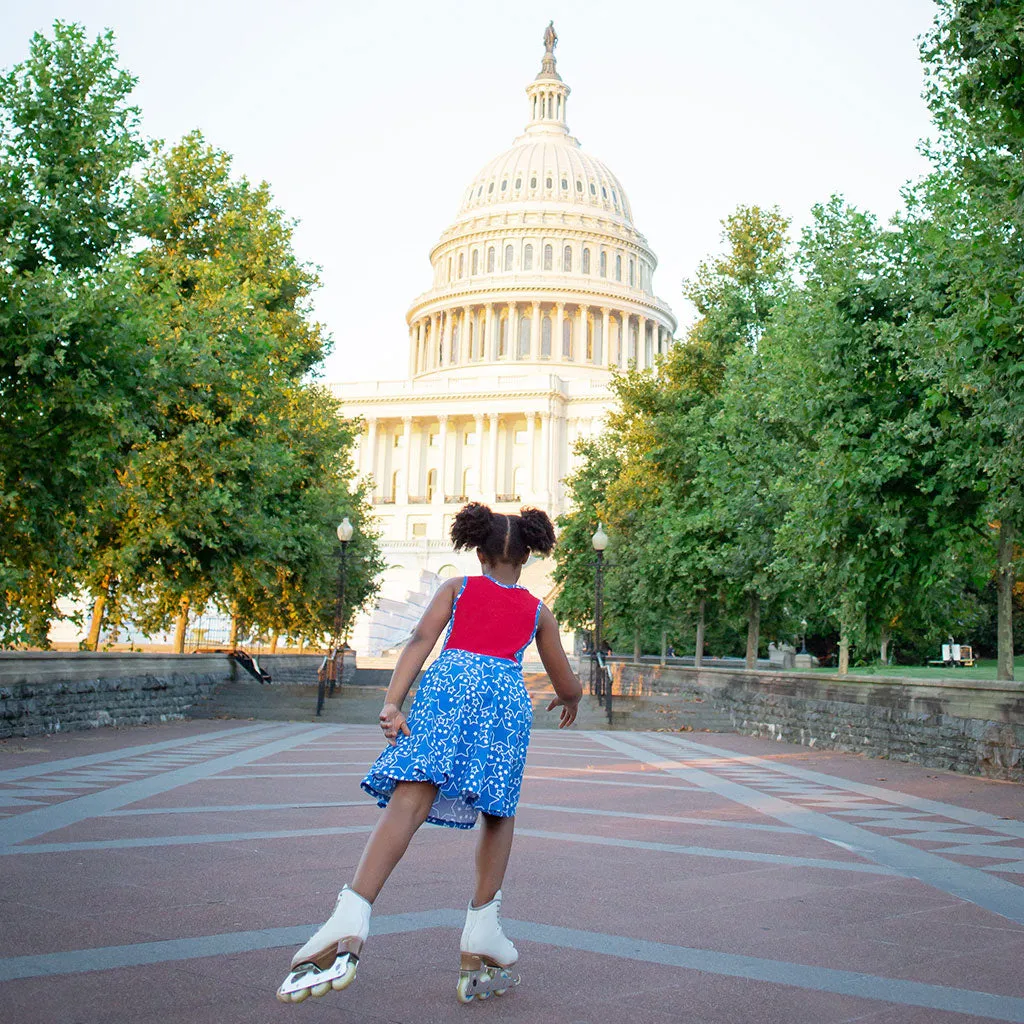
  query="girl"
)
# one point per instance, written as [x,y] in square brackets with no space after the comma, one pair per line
[460,753]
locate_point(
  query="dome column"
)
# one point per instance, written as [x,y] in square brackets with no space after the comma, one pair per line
[478,419]
[403,492]
[535,328]
[580,341]
[531,439]
[557,330]
[369,460]
[512,332]
[493,492]
[442,473]
[642,361]
[487,350]
[545,456]
[606,338]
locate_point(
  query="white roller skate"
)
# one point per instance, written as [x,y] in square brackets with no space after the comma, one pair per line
[328,960]
[487,954]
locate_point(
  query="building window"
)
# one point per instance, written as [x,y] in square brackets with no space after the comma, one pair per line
[527,257]
[533,181]
[490,260]
[479,191]
[548,182]
[567,259]
[604,192]
[579,186]
[519,183]
[490,188]
[419,530]
[431,484]
[469,440]
[567,338]
[509,256]
[504,185]
[593,189]
[618,268]
[545,338]
[476,261]
[432,439]
[524,337]
[565,184]
[462,262]
[549,255]
[394,485]
[632,271]
[602,264]
[615,198]
[585,266]
[522,435]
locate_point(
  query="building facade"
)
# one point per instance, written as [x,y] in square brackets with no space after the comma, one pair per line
[542,286]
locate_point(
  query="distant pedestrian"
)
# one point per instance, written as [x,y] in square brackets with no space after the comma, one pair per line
[460,753]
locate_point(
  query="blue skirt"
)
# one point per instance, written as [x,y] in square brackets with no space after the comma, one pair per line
[470,727]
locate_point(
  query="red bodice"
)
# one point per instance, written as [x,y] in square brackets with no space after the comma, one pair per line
[492,618]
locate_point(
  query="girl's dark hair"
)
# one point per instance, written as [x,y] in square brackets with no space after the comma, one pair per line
[502,538]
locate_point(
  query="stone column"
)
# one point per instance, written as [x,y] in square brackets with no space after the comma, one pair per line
[479,420]
[535,328]
[369,465]
[512,346]
[488,332]
[545,456]
[466,335]
[531,438]
[433,359]
[606,337]
[442,472]
[557,329]
[403,492]
[641,343]
[580,346]
[493,467]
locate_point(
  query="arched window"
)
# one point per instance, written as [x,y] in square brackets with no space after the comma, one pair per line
[602,264]
[567,338]
[462,263]
[431,484]
[524,337]
[509,256]
[567,259]
[527,257]
[490,260]
[632,271]
[593,189]
[548,183]
[504,185]
[467,482]
[618,268]
[519,183]
[533,181]
[517,482]
[490,188]
[446,572]
[565,184]
[549,255]
[394,485]
[545,338]
[585,266]
[579,186]
[476,261]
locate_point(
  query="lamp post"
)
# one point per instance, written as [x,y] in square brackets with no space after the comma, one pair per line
[803,644]
[331,669]
[600,542]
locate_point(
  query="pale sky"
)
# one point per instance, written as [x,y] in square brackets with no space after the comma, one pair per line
[369,120]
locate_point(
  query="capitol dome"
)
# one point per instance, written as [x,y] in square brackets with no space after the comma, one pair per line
[542,264]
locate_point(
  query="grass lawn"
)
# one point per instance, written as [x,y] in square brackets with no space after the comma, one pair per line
[983,669]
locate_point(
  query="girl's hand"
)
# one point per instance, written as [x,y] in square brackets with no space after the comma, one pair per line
[569,708]
[392,721]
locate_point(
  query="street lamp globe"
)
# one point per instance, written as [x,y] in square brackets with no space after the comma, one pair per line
[345,531]
[600,539]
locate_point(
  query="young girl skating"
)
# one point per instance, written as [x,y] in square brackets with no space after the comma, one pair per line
[461,752]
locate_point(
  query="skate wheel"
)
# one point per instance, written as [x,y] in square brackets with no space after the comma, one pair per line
[343,982]
[464,990]
[320,990]
[303,993]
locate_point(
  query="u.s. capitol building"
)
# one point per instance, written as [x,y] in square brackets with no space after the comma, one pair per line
[541,287]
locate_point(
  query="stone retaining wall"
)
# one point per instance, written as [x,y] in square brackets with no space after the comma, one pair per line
[43,692]
[976,727]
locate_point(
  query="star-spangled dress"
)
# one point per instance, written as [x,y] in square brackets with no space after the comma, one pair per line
[470,721]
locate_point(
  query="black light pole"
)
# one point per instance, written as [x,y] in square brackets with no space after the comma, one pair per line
[330,669]
[600,542]
[803,645]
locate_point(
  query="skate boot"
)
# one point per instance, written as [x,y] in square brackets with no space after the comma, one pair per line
[328,960]
[487,955]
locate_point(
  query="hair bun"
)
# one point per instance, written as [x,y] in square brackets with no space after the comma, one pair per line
[471,526]
[537,530]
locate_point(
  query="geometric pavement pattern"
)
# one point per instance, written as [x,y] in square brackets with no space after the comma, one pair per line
[156,870]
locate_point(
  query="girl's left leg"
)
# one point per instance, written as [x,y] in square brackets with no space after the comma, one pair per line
[492,853]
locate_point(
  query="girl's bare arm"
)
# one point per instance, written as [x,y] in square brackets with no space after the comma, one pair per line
[410,661]
[556,664]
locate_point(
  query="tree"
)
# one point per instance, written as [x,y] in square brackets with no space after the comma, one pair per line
[72,348]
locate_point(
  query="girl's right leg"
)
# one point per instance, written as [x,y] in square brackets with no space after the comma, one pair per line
[406,811]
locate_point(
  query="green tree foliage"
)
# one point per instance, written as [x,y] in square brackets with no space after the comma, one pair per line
[72,350]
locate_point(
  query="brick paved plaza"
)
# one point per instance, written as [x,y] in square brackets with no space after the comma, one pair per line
[165,874]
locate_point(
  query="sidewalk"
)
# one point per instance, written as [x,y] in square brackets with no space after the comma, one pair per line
[165,874]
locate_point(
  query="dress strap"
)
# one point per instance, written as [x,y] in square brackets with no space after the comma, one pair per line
[536,622]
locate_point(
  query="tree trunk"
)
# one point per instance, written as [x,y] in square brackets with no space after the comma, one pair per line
[884,652]
[1004,592]
[179,626]
[302,644]
[100,604]
[753,629]
[233,636]
[273,643]
[636,646]
[664,646]
[698,653]
[844,652]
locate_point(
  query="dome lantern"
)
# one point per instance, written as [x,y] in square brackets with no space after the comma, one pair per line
[548,93]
